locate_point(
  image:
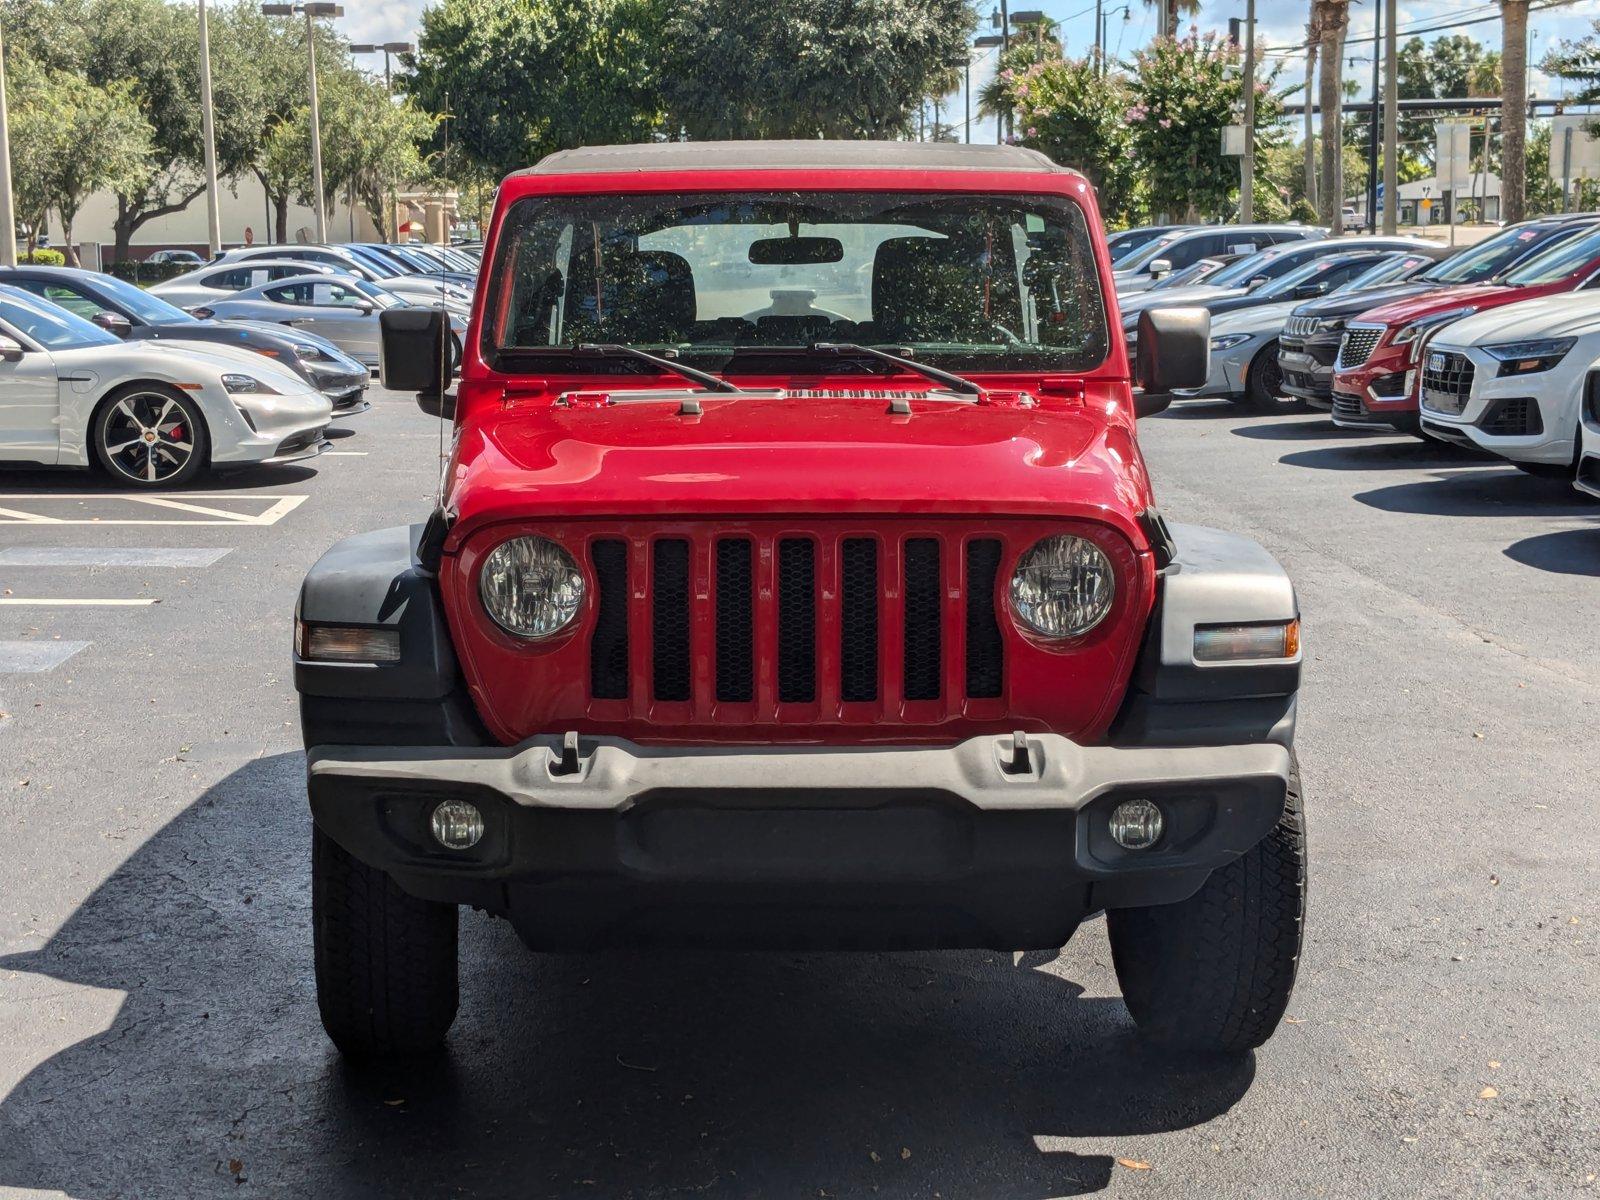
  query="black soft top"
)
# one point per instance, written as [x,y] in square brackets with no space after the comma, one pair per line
[794,155]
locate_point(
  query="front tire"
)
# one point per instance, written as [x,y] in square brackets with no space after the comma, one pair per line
[385,960]
[1264,383]
[1212,974]
[150,435]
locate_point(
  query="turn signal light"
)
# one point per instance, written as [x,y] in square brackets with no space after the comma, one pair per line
[346,643]
[1247,643]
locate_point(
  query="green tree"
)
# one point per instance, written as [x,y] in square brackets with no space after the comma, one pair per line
[1579,62]
[809,68]
[521,78]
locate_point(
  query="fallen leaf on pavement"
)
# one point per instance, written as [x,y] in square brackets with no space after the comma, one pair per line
[1133,1164]
[1488,1093]
[904,1153]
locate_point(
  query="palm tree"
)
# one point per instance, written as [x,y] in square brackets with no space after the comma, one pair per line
[1513,109]
[1332,23]
[1313,37]
[1173,9]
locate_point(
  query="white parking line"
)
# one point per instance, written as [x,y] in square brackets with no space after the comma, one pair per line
[27,658]
[76,602]
[33,514]
[111,556]
[344,454]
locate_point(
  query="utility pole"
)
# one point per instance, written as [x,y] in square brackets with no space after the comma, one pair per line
[8,213]
[1247,162]
[1391,123]
[311,11]
[209,139]
[1372,127]
[390,197]
[1005,48]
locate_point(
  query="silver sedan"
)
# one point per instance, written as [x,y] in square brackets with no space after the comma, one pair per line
[340,308]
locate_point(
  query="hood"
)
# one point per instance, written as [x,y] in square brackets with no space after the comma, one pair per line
[179,361]
[1348,304]
[1555,316]
[1402,312]
[1175,297]
[760,456]
[1260,318]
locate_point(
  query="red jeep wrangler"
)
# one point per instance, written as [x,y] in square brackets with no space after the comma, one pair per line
[797,582]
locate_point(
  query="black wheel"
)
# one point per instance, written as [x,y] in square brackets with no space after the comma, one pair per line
[150,435]
[385,960]
[1212,974]
[1264,383]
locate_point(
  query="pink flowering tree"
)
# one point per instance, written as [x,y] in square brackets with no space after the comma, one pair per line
[1183,92]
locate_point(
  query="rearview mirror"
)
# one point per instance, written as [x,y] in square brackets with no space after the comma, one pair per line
[10,349]
[1174,351]
[113,323]
[796,251]
[413,349]
[1160,266]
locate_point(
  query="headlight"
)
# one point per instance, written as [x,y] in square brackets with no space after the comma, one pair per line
[1528,358]
[1229,340]
[1063,587]
[236,385]
[310,353]
[1330,325]
[531,587]
[1410,333]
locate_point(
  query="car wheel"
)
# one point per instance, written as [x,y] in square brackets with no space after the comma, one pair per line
[1212,974]
[1264,384]
[385,961]
[150,435]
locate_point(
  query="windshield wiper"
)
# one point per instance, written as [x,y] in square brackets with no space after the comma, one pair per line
[955,383]
[705,379]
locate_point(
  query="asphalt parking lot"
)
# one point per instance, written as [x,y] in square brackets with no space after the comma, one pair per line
[158,1030]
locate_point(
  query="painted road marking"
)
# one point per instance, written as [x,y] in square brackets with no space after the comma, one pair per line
[27,658]
[344,454]
[113,556]
[76,602]
[40,509]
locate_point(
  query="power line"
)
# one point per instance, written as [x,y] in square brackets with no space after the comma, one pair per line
[1454,23]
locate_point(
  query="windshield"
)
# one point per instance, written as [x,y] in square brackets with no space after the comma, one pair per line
[1149,252]
[1488,258]
[51,327]
[1123,245]
[1189,276]
[380,295]
[152,310]
[1398,266]
[1558,261]
[1270,263]
[1305,273]
[1000,283]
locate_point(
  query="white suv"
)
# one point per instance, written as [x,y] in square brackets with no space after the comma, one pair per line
[1511,380]
[1588,478]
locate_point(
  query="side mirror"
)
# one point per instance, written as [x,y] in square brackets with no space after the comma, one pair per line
[1255,282]
[414,349]
[366,308]
[113,323]
[1160,267]
[1174,351]
[1306,291]
[10,349]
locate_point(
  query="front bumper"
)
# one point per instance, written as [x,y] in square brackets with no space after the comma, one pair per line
[1378,392]
[1228,371]
[270,428]
[605,842]
[1305,377]
[1525,418]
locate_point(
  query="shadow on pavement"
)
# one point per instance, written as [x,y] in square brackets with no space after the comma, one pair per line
[614,1075]
[1481,494]
[1377,456]
[1316,427]
[1570,552]
[1200,410]
[45,480]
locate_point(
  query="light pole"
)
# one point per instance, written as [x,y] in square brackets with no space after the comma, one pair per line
[986,42]
[209,139]
[386,49]
[311,11]
[8,215]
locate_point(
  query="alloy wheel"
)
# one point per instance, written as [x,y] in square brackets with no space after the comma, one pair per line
[148,437]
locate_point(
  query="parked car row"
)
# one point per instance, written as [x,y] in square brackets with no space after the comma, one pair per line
[243,361]
[1496,347]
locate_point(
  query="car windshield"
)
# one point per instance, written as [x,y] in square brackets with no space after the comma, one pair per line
[1558,262]
[1271,263]
[1493,255]
[1146,254]
[153,310]
[380,295]
[1192,274]
[1002,282]
[1305,273]
[1123,245]
[1388,270]
[51,327]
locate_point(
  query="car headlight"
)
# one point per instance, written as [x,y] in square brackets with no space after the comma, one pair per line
[1330,325]
[1063,587]
[310,353]
[1528,358]
[1410,333]
[1229,340]
[531,587]
[236,385]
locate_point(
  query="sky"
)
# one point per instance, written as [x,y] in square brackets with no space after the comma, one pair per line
[1280,23]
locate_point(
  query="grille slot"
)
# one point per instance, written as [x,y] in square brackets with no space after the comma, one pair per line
[669,619]
[1515,417]
[735,622]
[858,620]
[923,641]
[985,650]
[797,621]
[1357,346]
[1347,406]
[608,645]
[1447,381]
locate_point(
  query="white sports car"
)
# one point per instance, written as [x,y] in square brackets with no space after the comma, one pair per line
[151,413]
[1513,380]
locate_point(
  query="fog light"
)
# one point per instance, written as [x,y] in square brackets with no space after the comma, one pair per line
[458,825]
[1136,824]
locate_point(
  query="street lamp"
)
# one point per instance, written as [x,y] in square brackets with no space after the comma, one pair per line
[8,215]
[311,11]
[385,49]
[985,42]
[209,140]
